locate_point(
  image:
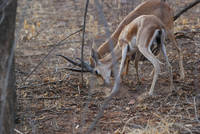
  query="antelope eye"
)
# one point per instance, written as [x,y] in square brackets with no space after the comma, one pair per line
[96,72]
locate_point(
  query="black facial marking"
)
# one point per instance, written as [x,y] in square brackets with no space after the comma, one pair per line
[128,48]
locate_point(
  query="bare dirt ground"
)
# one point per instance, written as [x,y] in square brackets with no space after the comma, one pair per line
[53,100]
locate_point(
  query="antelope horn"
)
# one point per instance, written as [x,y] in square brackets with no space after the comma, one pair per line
[75,69]
[71,61]
[87,67]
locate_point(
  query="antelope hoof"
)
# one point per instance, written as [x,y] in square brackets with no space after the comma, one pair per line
[151,93]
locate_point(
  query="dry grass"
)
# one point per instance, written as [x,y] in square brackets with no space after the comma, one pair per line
[164,126]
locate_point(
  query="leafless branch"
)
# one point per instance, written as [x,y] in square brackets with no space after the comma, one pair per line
[54,47]
[186,8]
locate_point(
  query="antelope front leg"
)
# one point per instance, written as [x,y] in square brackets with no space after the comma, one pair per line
[124,56]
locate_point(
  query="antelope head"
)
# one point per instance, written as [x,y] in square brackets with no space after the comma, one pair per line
[100,68]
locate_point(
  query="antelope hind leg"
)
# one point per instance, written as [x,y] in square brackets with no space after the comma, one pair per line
[172,38]
[169,67]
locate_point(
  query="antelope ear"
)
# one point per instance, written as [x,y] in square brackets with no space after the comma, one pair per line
[95,56]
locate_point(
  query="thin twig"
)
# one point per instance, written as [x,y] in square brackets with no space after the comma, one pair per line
[54,47]
[17,131]
[83,39]
[2,16]
[196,111]
[185,9]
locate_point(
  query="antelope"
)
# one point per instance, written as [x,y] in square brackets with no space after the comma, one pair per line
[160,9]
[138,35]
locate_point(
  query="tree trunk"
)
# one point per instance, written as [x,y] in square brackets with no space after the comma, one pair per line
[7,68]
